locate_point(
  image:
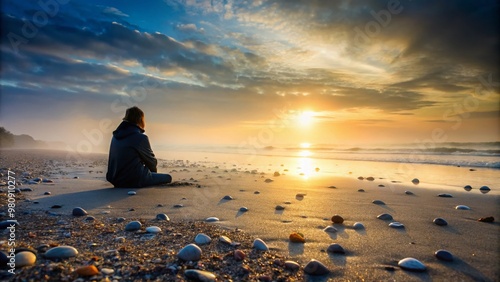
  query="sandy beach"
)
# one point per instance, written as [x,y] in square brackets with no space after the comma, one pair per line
[309,200]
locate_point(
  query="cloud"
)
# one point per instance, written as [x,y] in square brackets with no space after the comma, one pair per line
[114,11]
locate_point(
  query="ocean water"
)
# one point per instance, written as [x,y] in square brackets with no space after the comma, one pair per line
[449,164]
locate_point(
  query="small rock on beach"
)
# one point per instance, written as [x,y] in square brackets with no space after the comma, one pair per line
[314,267]
[444,255]
[260,245]
[411,264]
[440,221]
[358,226]
[337,219]
[202,239]
[79,211]
[25,258]
[162,216]
[190,252]
[61,252]
[336,249]
[212,219]
[445,195]
[378,202]
[199,275]
[384,216]
[133,226]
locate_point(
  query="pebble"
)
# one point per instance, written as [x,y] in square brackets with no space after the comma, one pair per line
[337,219]
[396,225]
[243,209]
[361,178]
[260,245]
[276,173]
[370,178]
[199,275]
[336,249]
[467,187]
[153,229]
[212,219]
[268,180]
[225,240]
[47,193]
[440,221]
[330,229]
[256,192]
[133,226]
[411,264]
[408,192]
[378,202]
[90,218]
[162,216]
[358,226]
[79,211]
[462,207]
[89,270]
[486,219]
[314,267]
[61,252]
[384,216]
[107,271]
[296,237]
[415,181]
[227,197]
[131,193]
[120,219]
[25,259]
[484,189]
[279,208]
[8,223]
[120,239]
[202,239]
[291,265]
[361,190]
[178,205]
[444,255]
[190,252]
[445,195]
[239,255]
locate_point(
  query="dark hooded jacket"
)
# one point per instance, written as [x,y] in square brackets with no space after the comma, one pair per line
[131,159]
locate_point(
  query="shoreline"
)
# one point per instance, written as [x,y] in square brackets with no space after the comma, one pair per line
[370,252]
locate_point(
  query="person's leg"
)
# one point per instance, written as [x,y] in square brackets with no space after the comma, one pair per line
[159,178]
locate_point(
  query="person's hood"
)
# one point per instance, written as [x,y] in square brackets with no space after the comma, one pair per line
[125,129]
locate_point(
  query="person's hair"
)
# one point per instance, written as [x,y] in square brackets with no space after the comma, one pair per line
[135,116]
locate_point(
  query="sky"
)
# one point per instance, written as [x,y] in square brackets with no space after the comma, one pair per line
[256,73]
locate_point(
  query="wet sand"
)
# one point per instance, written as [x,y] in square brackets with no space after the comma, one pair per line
[371,253]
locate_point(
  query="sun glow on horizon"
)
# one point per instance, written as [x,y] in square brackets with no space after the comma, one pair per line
[305,118]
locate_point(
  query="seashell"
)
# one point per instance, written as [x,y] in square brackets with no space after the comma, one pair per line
[296,237]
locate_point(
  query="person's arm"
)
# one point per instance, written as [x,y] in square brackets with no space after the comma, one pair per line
[146,154]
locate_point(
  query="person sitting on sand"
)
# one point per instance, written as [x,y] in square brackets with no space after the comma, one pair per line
[132,162]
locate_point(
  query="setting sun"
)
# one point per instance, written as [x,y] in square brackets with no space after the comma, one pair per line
[305,118]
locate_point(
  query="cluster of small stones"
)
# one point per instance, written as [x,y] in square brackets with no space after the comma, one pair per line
[107,249]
